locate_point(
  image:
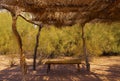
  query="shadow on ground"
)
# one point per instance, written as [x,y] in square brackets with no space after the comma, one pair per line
[63,73]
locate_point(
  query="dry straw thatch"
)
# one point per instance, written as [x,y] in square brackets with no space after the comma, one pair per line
[70,12]
[65,12]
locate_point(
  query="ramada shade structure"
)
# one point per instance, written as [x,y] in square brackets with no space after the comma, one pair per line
[61,13]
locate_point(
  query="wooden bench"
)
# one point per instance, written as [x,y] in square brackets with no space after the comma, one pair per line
[65,60]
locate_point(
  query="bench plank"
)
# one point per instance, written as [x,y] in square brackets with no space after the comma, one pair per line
[62,61]
[65,60]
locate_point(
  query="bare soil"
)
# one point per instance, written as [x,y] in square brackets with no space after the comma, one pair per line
[102,69]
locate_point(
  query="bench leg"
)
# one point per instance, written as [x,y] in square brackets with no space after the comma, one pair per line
[78,67]
[48,68]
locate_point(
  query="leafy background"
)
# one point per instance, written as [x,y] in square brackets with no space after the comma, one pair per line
[101,38]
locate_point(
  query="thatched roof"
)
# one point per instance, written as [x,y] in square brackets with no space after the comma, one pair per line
[66,12]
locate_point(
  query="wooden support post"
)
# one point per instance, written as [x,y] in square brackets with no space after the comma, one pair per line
[36,47]
[22,56]
[85,48]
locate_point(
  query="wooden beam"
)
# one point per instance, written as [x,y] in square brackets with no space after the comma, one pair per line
[36,47]
[85,48]
[19,40]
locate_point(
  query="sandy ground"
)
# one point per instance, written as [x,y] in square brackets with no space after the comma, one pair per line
[102,69]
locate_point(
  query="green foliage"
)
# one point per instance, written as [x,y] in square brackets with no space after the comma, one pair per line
[103,38]
[65,41]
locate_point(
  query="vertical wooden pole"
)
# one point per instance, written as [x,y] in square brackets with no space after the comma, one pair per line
[22,56]
[36,47]
[85,48]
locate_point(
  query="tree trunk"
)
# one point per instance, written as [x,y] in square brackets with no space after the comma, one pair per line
[22,56]
[85,48]
[36,46]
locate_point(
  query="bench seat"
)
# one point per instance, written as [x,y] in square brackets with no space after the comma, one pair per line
[65,60]
[62,61]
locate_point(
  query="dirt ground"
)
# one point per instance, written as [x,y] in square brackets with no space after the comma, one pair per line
[102,69]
